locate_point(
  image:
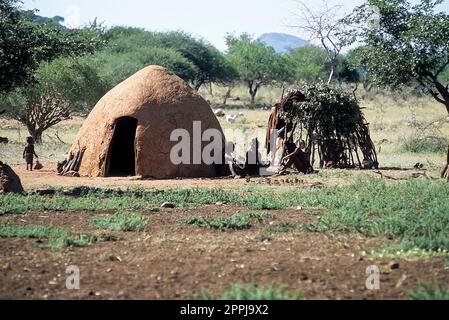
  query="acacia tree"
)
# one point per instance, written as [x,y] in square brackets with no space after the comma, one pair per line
[323,26]
[408,44]
[24,44]
[309,63]
[257,64]
[60,87]
[208,64]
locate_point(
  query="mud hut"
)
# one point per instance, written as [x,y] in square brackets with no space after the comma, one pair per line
[128,132]
[331,124]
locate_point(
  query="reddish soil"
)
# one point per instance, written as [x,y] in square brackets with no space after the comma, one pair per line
[172,260]
[47,177]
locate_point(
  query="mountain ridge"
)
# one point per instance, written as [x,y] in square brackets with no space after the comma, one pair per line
[282,42]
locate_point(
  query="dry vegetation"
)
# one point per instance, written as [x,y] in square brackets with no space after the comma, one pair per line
[405,129]
[231,238]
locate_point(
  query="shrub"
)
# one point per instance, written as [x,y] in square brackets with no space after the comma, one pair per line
[424,145]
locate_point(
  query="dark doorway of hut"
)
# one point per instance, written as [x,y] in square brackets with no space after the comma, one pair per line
[121,159]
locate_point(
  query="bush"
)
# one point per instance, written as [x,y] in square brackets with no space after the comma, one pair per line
[425,145]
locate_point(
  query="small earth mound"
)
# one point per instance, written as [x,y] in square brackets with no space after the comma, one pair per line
[9,180]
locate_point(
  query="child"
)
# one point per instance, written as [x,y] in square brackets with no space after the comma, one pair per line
[28,153]
[299,158]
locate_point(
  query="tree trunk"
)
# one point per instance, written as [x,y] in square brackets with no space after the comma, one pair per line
[253,96]
[37,136]
[446,103]
[445,174]
[331,75]
[35,133]
[253,91]
[197,86]
[227,95]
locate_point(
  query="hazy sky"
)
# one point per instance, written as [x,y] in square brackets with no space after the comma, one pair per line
[208,19]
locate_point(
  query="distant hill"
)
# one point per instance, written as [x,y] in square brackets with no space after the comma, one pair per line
[282,42]
[57,20]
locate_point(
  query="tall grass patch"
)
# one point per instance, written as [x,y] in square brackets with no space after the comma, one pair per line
[431,144]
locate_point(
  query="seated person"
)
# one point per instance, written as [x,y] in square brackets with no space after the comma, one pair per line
[299,158]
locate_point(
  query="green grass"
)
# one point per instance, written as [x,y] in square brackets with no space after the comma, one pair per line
[391,253]
[250,292]
[238,221]
[124,221]
[285,227]
[57,238]
[235,222]
[426,292]
[424,145]
[413,213]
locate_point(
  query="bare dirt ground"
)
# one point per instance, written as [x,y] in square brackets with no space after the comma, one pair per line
[47,177]
[169,260]
[173,261]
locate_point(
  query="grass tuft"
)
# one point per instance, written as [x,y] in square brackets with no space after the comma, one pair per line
[436,145]
[285,227]
[122,221]
[250,292]
[426,292]
[57,238]
[235,222]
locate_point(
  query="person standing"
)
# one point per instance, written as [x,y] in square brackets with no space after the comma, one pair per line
[29,153]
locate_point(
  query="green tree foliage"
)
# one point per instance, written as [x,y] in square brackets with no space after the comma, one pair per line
[257,64]
[194,60]
[309,64]
[24,44]
[116,67]
[60,87]
[409,45]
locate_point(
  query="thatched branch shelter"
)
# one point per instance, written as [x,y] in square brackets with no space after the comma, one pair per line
[330,122]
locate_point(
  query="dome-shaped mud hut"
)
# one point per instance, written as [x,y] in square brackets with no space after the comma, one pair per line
[128,132]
